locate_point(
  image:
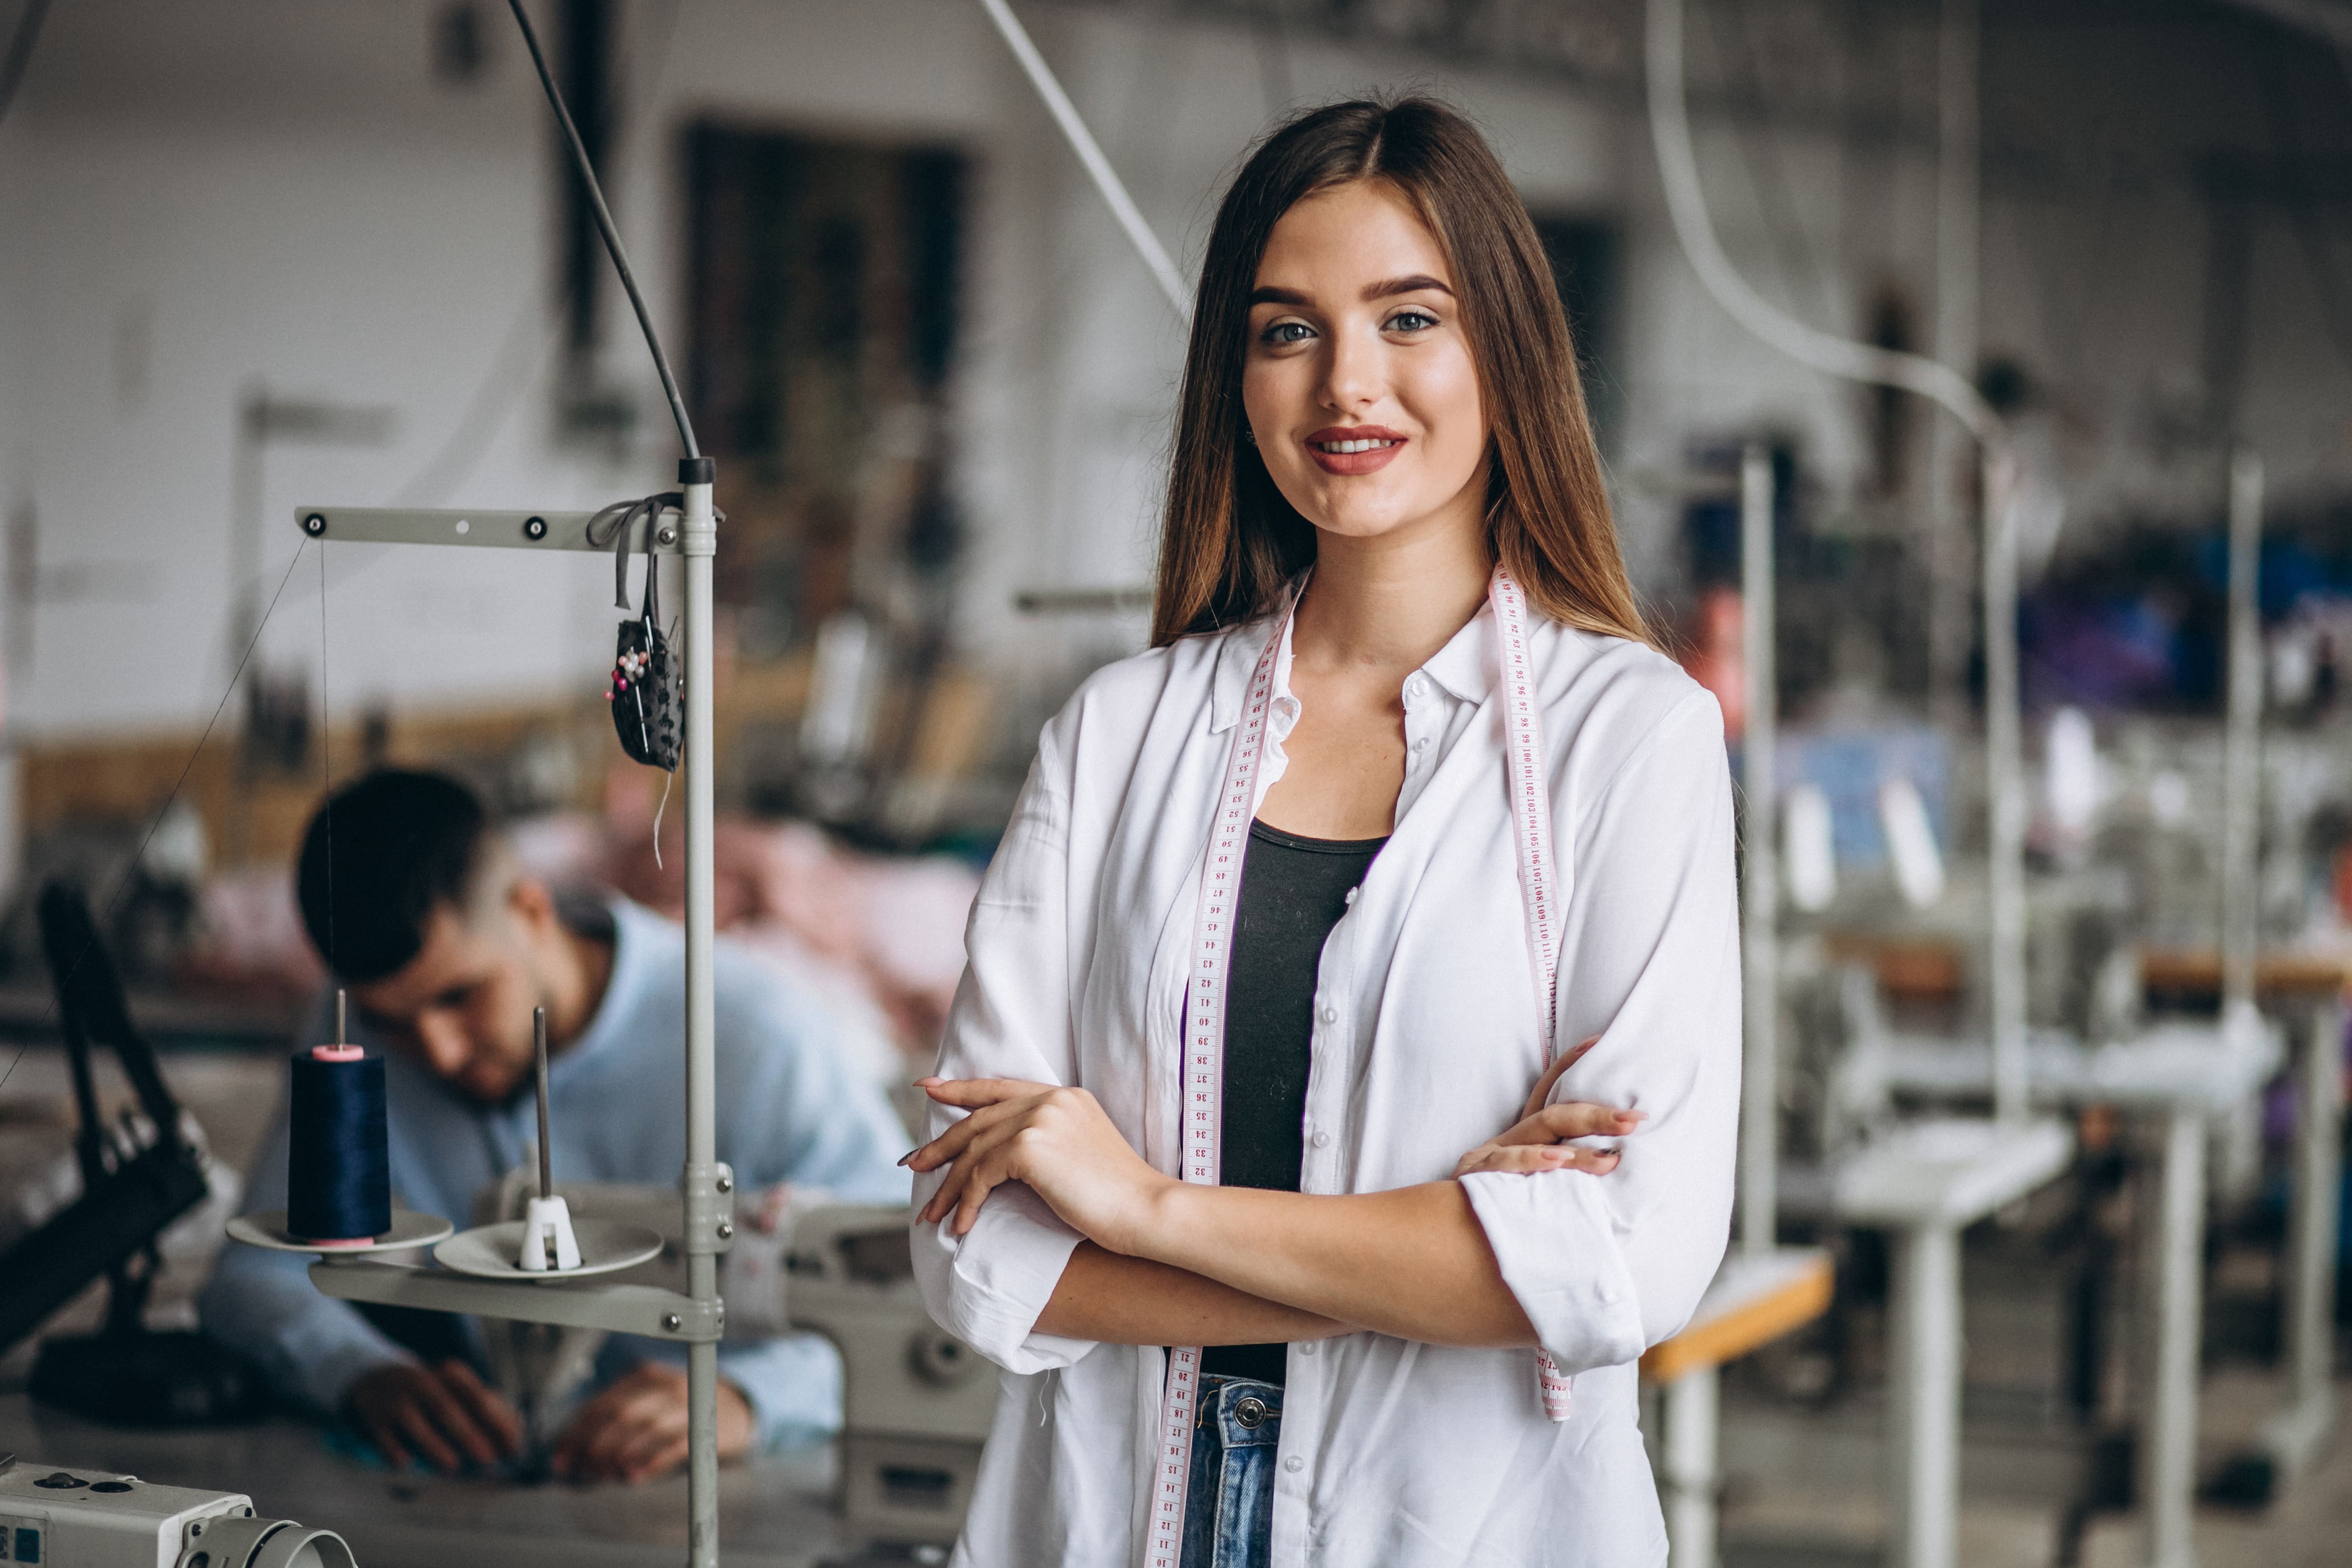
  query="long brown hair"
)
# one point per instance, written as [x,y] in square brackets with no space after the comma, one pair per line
[1229,541]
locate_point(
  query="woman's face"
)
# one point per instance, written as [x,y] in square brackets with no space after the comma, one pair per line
[1357,383]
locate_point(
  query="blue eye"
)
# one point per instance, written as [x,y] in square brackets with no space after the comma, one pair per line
[1282,334]
[1411,322]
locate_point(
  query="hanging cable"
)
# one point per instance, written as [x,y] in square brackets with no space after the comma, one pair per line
[523,357]
[1082,142]
[20,51]
[1809,345]
[587,170]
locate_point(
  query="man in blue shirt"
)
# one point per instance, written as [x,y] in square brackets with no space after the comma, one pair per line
[447,946]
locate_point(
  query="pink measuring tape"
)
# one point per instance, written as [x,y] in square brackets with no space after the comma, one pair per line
[1204,1010]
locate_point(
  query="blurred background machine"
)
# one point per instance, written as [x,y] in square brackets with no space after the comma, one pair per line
[139,1175]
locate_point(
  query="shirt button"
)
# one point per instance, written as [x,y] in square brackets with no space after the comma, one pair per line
[1294,1464]
[1421,745]
[1322,1139]
[1415,688]
[1351,893]
[1330,1015]
[1306,1347]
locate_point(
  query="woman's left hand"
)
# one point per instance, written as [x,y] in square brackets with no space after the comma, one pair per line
[1055,1138]
[1538,1140]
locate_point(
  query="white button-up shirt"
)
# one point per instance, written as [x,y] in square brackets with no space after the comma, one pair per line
[1426,1042]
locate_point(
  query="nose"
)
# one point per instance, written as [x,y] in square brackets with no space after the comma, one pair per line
[1352,379]
[446,1049]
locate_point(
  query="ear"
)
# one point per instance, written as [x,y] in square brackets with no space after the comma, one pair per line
[529,901]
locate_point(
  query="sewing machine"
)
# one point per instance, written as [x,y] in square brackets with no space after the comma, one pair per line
[917,1401]
[82,1518]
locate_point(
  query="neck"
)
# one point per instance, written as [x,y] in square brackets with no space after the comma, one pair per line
[1393,599]
[582,968]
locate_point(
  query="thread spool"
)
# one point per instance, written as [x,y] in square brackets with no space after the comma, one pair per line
[338,1159]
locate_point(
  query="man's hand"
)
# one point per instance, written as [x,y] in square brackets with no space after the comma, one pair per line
[441,1415]
[635,1429]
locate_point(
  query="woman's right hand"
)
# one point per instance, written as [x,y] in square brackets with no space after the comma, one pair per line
[1538,1141]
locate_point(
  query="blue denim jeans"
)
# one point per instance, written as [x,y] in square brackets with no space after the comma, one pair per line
[1229,1503]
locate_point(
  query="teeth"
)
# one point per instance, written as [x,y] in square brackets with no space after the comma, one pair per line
[1341,448]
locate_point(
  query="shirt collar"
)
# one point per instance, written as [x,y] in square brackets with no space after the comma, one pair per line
[1237,655]
[1465,667]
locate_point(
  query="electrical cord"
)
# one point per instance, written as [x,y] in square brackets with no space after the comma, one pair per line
[130,878]
[604,226]
[1687,205]
[1089,153]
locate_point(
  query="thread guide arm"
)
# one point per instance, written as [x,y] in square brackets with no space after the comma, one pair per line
[622,1308]
[494,529]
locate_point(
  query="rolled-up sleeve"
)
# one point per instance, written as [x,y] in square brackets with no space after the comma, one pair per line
[1605,1266]
[1010,1019]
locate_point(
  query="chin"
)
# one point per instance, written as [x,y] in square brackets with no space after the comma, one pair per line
[1364,519]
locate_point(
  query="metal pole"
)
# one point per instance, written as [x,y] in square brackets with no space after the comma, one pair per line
[2312,1334]
[2296,1435]
[1956,345]
[1082,142]
[1924,1479]
[2004,798]
[1691,1415]
[701,1175]
[2240,775]
[539,1063]
[1761,881]
[2168,1441]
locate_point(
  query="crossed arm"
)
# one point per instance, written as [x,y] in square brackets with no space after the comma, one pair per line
[1165,1262]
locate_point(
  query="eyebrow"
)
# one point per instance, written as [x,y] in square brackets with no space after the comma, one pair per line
[1384,290]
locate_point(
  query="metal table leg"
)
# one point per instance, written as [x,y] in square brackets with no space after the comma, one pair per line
[2295,1437]
[1925,1478]
[1691,1409]
[2168,1427]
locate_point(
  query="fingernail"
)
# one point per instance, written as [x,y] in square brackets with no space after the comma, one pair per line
[905,1157]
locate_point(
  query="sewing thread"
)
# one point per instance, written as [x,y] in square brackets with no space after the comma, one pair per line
[339,1159]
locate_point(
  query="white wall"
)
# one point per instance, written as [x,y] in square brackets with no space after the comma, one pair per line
[203,199]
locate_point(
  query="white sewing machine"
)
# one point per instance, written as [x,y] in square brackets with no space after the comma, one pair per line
[94,1518]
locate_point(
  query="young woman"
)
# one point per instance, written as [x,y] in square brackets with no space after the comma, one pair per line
[1399,685]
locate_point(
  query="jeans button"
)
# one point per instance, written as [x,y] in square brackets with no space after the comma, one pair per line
[1250,1411]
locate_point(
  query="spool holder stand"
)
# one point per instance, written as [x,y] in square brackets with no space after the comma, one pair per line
[697,1317]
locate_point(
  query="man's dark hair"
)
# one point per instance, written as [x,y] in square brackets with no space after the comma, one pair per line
[379,857]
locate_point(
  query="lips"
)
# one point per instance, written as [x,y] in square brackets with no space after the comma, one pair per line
[1353,449]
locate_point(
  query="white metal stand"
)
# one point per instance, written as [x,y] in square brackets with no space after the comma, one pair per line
[1923,1481]
[697,1317]
[1760,1092]
[2168,1451]
[1763,1290]
[1925,1182]
[1687,1483]
[2298,1433]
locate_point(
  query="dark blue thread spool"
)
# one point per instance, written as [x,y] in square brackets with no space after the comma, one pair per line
[338,1159]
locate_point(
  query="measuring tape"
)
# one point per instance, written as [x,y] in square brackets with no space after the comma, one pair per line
[1204,1010]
